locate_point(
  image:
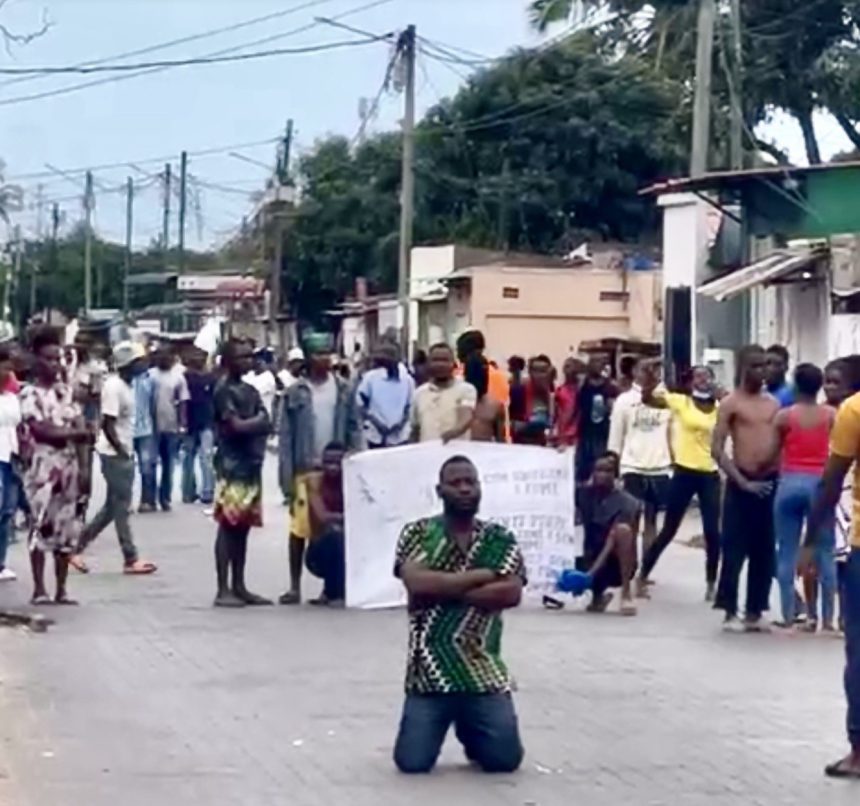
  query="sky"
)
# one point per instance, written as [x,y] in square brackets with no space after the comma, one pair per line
[143,120]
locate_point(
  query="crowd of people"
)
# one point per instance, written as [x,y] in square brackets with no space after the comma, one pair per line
[766,462]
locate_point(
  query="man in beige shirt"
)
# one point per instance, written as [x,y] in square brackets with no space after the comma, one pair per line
[443,408]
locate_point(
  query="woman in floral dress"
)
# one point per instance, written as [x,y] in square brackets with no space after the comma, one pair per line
[53,429]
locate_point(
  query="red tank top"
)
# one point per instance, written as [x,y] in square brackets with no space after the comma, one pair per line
[805,450]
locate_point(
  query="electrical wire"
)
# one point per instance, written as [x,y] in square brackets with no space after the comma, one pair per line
[242,57]
[184,40]
[150,160]
[225,51]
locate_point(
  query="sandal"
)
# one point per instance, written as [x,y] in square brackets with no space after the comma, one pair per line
[290,598]
[77,562]
[140,568]
[550,603]
[839,769]
[65,601]
[628,608]
[41,599]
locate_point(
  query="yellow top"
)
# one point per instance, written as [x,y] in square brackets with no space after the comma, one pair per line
[692,432]
[845,442]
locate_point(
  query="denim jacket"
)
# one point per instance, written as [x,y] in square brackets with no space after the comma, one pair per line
[296,429]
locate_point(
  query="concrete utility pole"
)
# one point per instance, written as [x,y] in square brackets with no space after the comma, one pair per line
[88,244]
[737,132]
[55,257]
[11,277]
[279,211]
[183,190]
[165,231]
[702,100]
[406,48]
[129,231]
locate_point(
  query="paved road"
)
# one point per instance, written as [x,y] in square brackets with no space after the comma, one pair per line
[146,695]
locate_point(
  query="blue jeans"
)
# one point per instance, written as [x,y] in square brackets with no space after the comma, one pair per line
[851,593]
[791,508]
[168,448]
[147,461]
[8,505]
[202,445]
[485,724]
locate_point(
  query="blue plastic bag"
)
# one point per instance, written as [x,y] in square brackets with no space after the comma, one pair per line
[574,582]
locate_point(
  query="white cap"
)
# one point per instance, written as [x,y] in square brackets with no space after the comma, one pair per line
[127,352]
[296,354]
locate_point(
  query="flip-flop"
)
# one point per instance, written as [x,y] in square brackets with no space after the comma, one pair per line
[551,603]
[79,564]
[140,569]
[628,609]
[65,601]
[836,770]
[254,600]
[42,599]
[290,598]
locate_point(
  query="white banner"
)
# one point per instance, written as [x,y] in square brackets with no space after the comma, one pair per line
[528,489]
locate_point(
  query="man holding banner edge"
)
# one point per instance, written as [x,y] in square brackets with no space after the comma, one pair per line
[460,573]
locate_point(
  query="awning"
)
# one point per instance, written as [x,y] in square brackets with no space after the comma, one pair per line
[775,266]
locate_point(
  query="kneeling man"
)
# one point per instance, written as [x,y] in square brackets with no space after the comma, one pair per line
[460,574]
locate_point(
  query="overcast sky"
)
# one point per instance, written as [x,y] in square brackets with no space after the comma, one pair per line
[139,119]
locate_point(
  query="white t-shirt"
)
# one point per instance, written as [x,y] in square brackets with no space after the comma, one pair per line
[171,389]
[117,402]
[436,409]
[266,385]
[324,397]
[10,417]
[286,378]
[639,434]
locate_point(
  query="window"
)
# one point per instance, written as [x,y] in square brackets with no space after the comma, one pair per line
[614,296]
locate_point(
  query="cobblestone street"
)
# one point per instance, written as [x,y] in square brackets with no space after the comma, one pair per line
[147,695]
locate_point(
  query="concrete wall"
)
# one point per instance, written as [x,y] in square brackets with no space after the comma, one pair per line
[530,311]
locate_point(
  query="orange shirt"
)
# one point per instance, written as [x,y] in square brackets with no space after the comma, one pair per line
[498,387]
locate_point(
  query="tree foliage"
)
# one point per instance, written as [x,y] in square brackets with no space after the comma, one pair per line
[797,56]
[530,155]
[55,272]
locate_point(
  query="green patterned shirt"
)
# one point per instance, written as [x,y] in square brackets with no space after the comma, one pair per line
[454,647]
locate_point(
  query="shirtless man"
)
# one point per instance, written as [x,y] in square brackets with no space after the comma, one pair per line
[488,420]
[748,415]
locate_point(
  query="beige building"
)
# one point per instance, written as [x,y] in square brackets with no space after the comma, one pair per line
[527,304]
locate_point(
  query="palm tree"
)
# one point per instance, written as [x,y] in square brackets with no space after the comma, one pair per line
[11,196]
[544,13]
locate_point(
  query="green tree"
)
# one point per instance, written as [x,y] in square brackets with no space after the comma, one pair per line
[532,154]
[798,57]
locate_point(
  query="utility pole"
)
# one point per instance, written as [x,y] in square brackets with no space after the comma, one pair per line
[406,48]
[55,258]
[183,190]
[737,131]
[14,272]
[129,229]
[165,232]
[88,244]
[279,211]
[283,170]
[702,100]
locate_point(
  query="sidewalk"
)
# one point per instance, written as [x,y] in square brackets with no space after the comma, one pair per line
[147,695]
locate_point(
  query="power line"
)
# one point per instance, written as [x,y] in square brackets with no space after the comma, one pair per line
[111,79]
[122,68]
[184,40]
[122,164]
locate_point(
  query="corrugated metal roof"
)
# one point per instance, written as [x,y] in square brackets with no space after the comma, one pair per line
[776,265]
[718,179]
